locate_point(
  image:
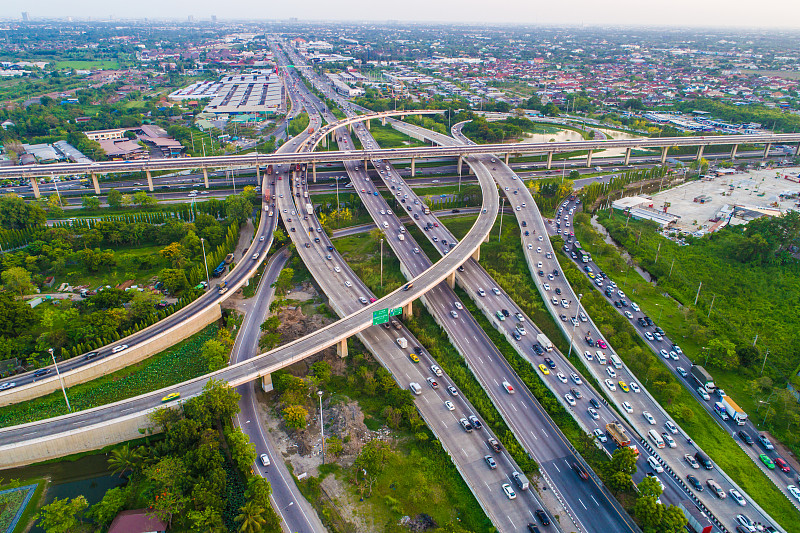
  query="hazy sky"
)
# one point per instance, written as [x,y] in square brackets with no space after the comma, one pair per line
[763,13]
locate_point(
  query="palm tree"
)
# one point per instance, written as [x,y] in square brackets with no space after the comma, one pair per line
[251,517]
[124,458]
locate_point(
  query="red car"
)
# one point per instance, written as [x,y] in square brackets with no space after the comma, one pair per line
[602,344]
[372,300]
[783,465]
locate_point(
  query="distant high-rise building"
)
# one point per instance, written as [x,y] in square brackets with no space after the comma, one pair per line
[190,18]
[213,18]
[25,16]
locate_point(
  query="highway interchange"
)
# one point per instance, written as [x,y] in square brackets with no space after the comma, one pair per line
[548,447]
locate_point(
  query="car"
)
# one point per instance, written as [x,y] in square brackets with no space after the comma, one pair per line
[716,489]
[655,465]
[546,286]
[433,383]
[682,371]
[570,399]
[533,528]
[255,256]
[671,427]
[413,357]
[767,461]
[337,269]
[765,442]
[119,348]
[544,369]
[561,377]
[664,353]
[543,518]
[452,390]
[610,385]
[745,521]
[702,392]
[599,435]
[264,459]
[694,482]
[588,355]
[449,405]
[496,291]
[669,440]
[490,461]
[635,307]
[576,393]
[362,299]
[627,406]
[509,491]
[794,491]
[458,305]
[580,471]
[171,396]
[519,317]
[634,387]
[594,403]
[549,362]
[481,292]
[436,370]
[453,314]
[628,314]
[7,385]
[737,497]
[649,336]
[576,378]
[593,413]
[89,356]
[466,425]
[647,416]
[602,344]
[500,316]
[746,438]
[692,461]
[611,372]
[508,387]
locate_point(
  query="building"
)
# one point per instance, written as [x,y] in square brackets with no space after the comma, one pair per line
[137,521]
[343,88]
[259,93]
[159,139]
[70,152]
[641,208]
[104,135]
[123,149]
[43,153]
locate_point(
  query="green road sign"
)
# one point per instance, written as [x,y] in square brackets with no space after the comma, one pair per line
[381,316]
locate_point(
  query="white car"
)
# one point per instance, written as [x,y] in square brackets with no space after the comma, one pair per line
[610,385]
[588,355]
[538,250]
[119,348]
[703,394]
[629,314]
[627,407]
[554,300]
[634,386]
[347,284]
[458,305]
[449,405]
[648,336]
[669,440]
[570,400]
[496,291]
[546,286]
[453,314]
[682,371]
[337,269]
[794,490]
[436,370]
[539,264]
[600,435]
[264,459]
[561,377]
[654,464]
[611,372]
[647,416]
[576,379]
[635,307]
[509,491]
[737,497]
[593,413]
[671,427]
[530,246]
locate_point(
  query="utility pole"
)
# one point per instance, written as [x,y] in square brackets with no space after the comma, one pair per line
[205,261]
[321,427]
[658,251]
[698,293]
[712,305]
[754,340]
[670,268]
[500,233]
[61,380]
[381,262]
[764,363]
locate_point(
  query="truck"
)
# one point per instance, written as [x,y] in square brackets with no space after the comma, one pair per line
[521,480]
[402,342]
[219,270]
[269,170]
[702,377]
[401,237]
[267,196]
[582,254]
[698,521]
[222,288]
[228,259]
[426,210]
[616,362]
[542,339]
[617,434]
[309,209]
[721,411]
[733,410]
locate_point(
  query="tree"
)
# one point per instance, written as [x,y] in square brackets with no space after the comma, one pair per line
[621,469]
[209,520]
[294,416]
[284,281]
[370,463]
[114,501]
[218,402]
[15,213]
[17,279]
[114,198]
[722,354]
[673,520]
[551,110]
[748,355]
[238,207]
[333,446]
[175,254]
[15,315]
[125,459]
[142,199]
[174,280]
[251,518]
[650,486]
[649,512]
[214,354]
[62,516]
[142,304]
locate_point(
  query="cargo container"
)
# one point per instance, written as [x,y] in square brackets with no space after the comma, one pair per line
[702,377]
[733,410]
[545,342]
[698,521]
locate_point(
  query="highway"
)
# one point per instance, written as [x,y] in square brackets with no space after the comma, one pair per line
[663,347]
[537,251]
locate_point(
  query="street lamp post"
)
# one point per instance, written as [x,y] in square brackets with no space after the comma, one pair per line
[574,325]
[205,261]
[321,427]
[381,262]
[500,233]
[60,379]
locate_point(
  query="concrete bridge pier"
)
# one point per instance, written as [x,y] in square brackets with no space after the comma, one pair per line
[767,148]
[461,162]
[797,152]
[149,180]
[413,166]
[325,141]
[35,187]
[314,171]
[700,152]
[733,151]
[96,184]
[205,176]
[341,348]
[549,160]
[627,156]
[266,383]
[664,154]
[368,122]
[506,161]
[476,255]
[407,311]
[589,158]
[258,174]
[451,280]
[383,121]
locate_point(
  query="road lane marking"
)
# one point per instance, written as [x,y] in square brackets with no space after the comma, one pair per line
[545,433]
[595,501]
[556,467]
[579,501]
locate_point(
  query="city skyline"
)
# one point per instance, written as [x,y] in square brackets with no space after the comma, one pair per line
[682,13]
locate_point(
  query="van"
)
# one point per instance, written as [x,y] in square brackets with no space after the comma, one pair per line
[402,342]
[616,361]
[704,460]
[601,358]
[415,388]
[656,438]
[521,480]
[654,464]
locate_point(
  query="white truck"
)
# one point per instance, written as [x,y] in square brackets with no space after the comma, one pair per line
[401,237]
[402,342]
[733,410]
[545,342]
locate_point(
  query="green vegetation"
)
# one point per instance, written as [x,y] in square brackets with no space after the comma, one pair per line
[484,132]
[174,365]
[102,64]
[388,137]
[777,120]
[298,124]
[652,373]
[197,478]
[363,255]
